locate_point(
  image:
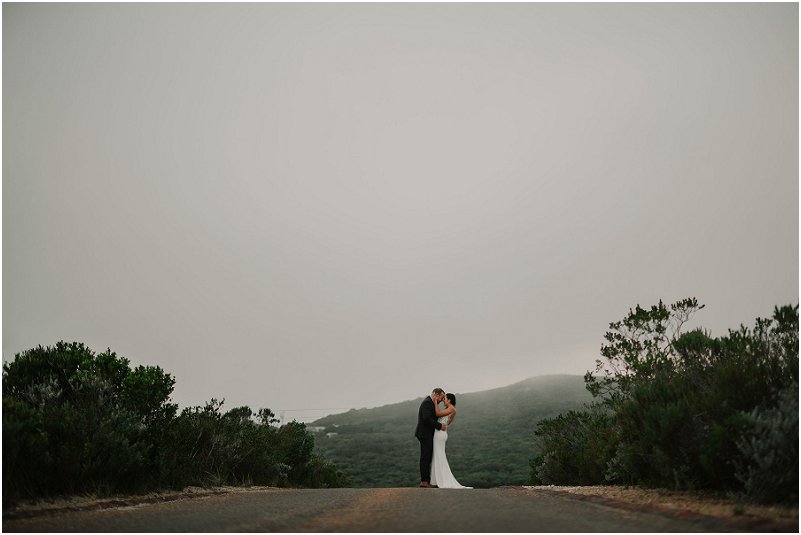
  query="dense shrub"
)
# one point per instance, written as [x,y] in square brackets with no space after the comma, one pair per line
[576,447]
[76,422]
[72,421]
[769,465]
[685,410]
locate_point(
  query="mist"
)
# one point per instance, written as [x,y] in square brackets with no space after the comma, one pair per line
[325,206]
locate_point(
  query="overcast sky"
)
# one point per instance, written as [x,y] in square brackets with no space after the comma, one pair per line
[321,206]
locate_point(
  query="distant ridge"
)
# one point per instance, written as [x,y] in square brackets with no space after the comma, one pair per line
[489,444]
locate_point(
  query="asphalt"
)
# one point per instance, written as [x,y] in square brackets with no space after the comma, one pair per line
[505,509]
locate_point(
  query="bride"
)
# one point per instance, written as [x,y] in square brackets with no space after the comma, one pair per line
[441,475]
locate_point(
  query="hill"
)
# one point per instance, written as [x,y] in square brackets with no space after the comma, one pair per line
[490,443]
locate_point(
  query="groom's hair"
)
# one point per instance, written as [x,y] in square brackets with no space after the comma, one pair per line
[438,391]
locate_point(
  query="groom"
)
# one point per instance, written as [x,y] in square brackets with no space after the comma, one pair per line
[426,425]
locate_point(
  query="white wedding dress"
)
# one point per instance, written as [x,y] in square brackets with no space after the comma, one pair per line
[441,475]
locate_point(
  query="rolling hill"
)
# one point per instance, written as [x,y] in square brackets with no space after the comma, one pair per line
[489,444]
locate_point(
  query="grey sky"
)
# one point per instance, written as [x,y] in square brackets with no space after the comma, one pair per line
[322,205]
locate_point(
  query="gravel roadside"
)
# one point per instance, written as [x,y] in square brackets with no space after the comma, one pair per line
[685,504]
[92,502]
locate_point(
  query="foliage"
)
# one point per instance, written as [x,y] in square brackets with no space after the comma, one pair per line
[75,421]
[769,466]
[678,405]
[576,447]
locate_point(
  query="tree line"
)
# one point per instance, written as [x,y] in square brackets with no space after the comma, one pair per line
[76,421]
[684,410]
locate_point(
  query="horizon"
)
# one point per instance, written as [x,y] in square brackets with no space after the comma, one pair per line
[343,411]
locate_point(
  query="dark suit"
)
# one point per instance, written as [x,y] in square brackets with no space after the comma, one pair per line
[426,425]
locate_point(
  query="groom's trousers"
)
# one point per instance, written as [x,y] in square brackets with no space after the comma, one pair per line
[426,453]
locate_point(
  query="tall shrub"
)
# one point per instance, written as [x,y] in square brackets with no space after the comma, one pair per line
[688,410]
[77,422]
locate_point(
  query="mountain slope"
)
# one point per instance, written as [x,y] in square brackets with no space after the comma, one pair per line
[489,444]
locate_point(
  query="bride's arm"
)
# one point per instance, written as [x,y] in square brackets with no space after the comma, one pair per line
[443,412]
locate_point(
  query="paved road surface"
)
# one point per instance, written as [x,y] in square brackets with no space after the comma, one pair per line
[505,509]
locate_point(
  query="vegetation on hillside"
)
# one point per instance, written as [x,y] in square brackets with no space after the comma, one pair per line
[79,422]
[488,445]
[684,410]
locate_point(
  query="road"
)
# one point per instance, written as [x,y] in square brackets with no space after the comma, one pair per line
[505,509]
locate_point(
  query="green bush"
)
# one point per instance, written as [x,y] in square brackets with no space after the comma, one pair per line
[575,448]
[79,422]
[684,410]
[67,426]
[769,466]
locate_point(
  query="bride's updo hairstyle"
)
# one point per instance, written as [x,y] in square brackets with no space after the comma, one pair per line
[451,398]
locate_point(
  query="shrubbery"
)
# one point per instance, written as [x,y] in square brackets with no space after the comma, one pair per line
[576,447]
[684,410]
[79,422]
[768,468]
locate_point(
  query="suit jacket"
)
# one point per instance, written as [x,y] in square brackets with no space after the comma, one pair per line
[426,420]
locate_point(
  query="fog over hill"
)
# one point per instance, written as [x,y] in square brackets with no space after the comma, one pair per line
[489,443]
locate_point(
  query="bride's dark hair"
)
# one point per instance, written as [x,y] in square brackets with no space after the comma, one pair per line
[451,398]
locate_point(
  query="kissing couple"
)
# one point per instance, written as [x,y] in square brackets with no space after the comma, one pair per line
[432,432]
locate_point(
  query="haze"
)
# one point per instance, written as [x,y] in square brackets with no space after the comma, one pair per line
[323,206]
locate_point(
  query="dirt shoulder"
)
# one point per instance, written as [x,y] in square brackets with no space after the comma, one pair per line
[91,502]
[686,504]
